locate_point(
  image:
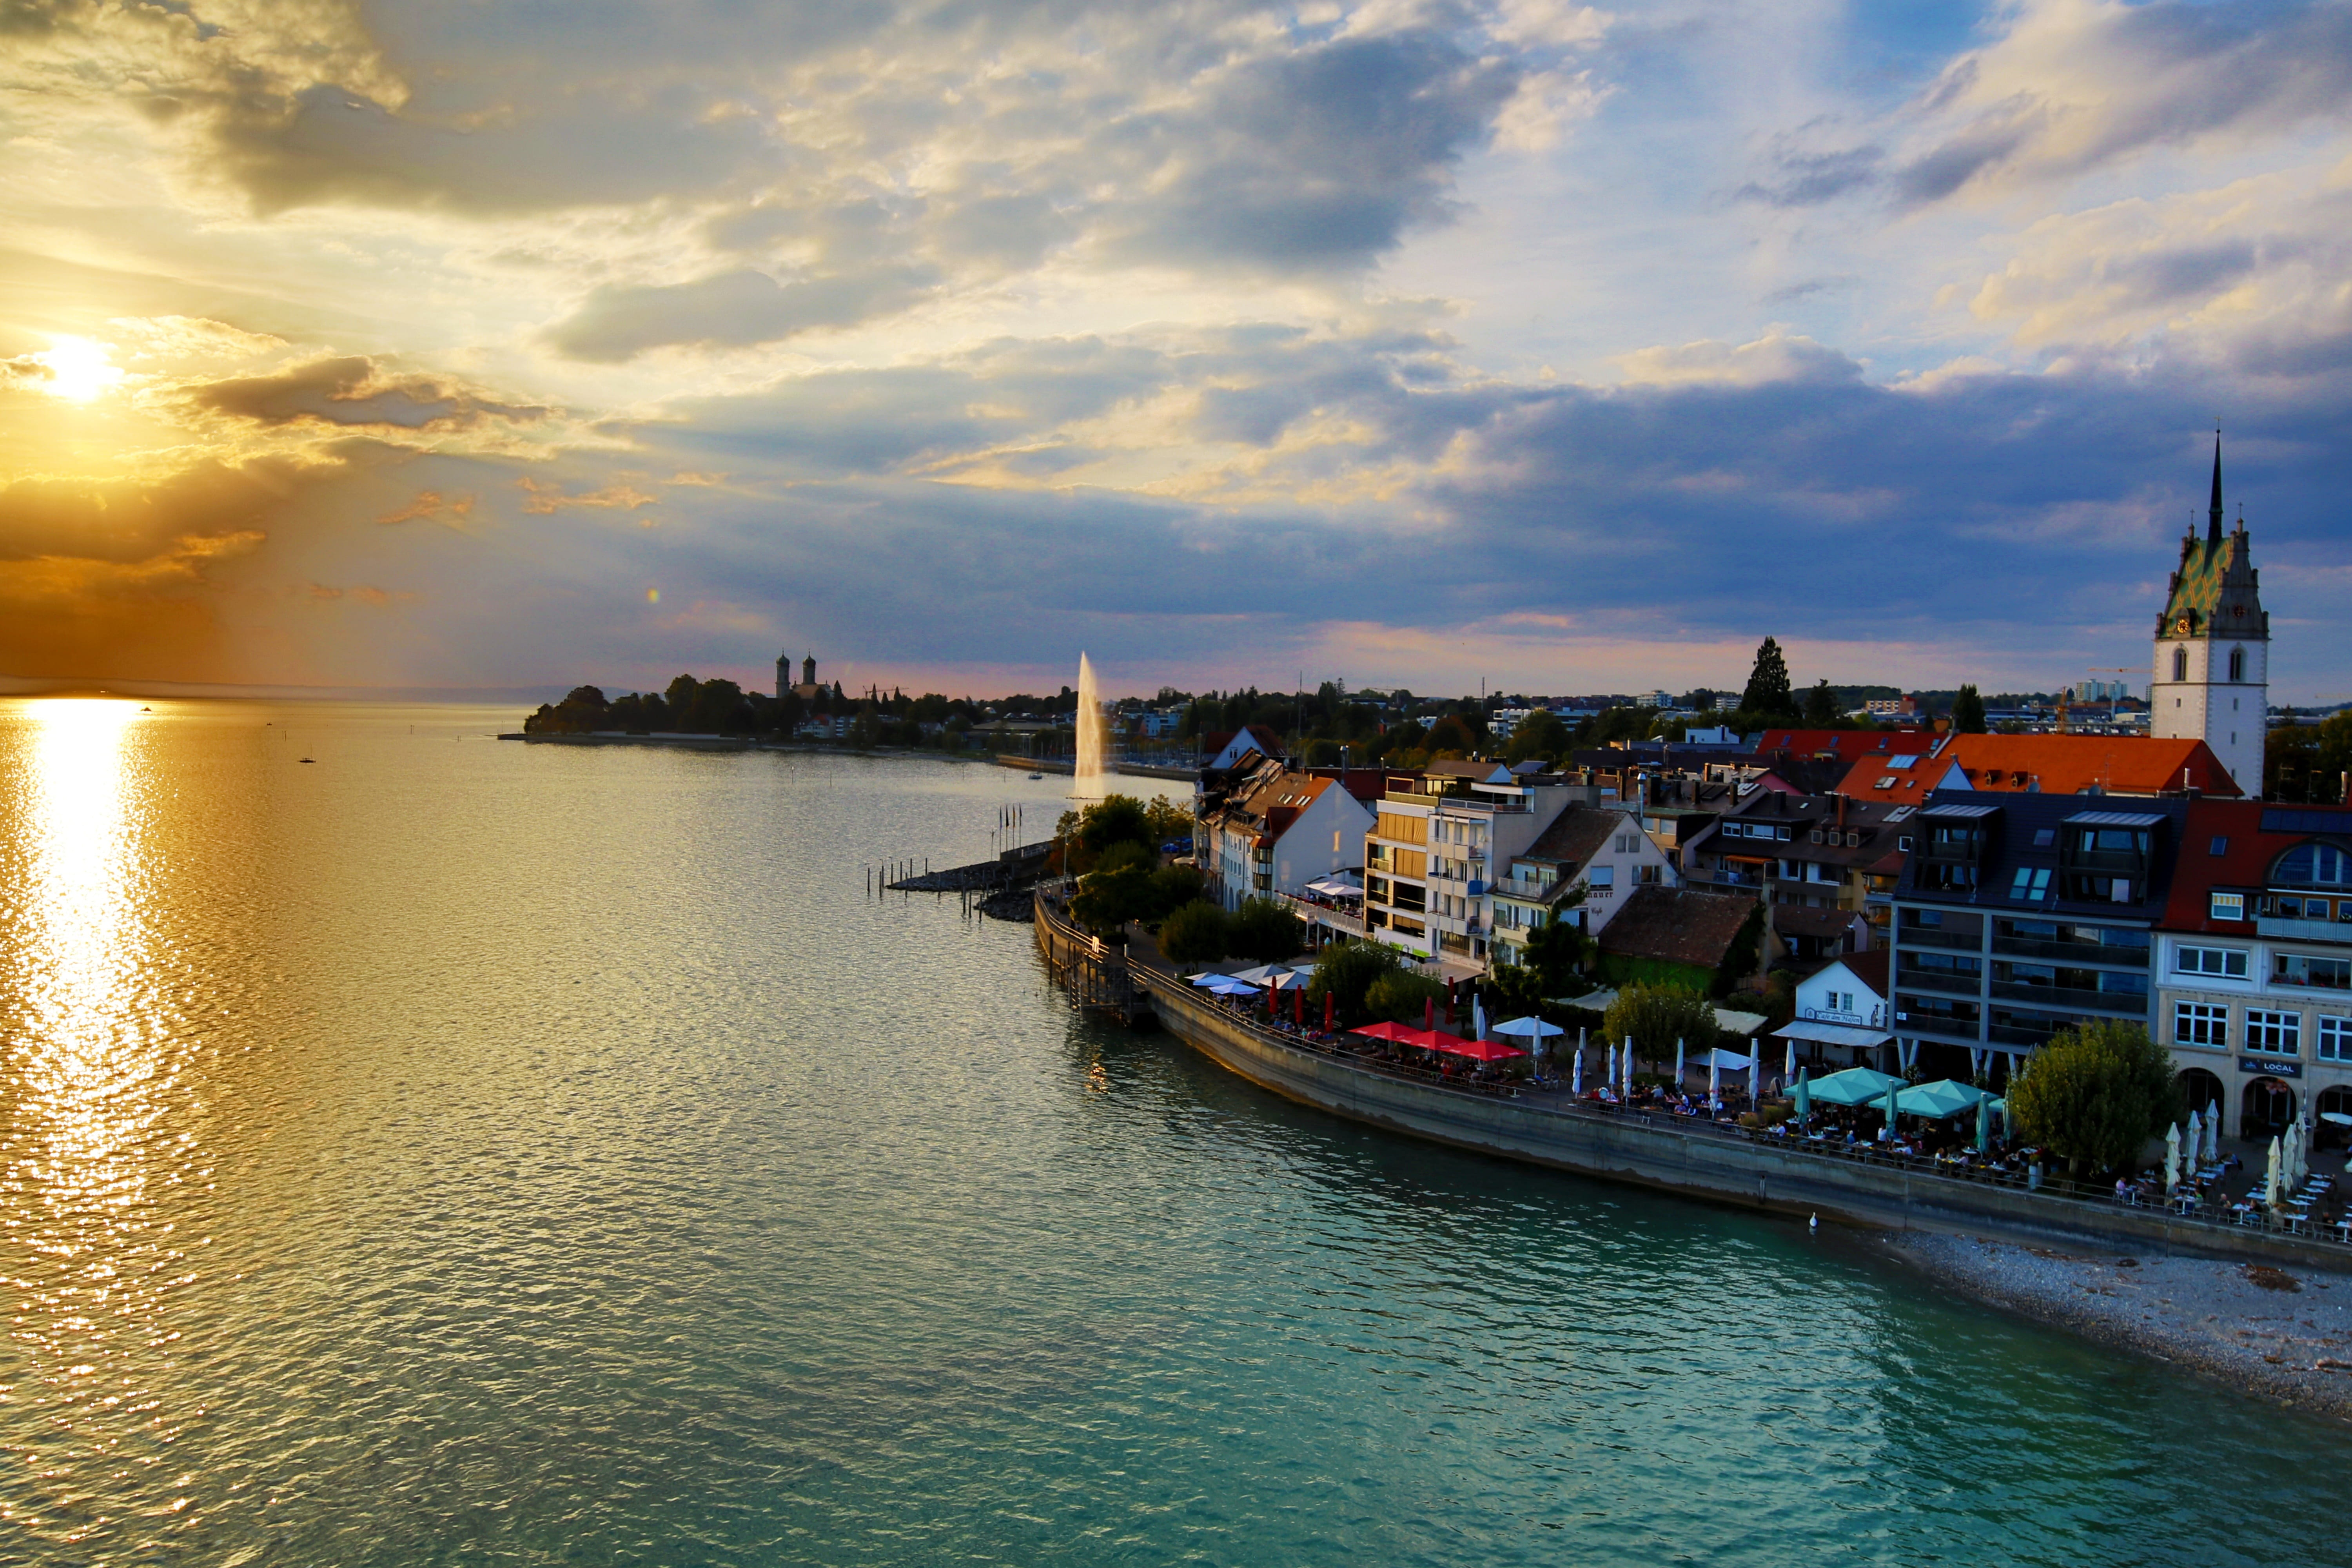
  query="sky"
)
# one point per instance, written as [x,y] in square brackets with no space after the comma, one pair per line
[1411,342]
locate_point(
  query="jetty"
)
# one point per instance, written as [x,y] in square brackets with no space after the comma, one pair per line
[1539,1126]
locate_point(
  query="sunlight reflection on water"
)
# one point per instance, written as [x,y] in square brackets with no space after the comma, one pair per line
[93,1075]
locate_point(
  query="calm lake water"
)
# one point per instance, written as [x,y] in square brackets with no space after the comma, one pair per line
[457,1152]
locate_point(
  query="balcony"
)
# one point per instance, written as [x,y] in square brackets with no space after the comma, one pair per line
[2114,1002]
[2303,931]
[1918,936]
[2103,954]
[1477,888]
[2006,1034]
[1944,984]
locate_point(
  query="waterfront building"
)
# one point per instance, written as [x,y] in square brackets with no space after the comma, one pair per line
[2019,914]
[2042,764]
[1603,850]
[1825,865]
[1427,857]
[2211,673]
[2255,964]
[1274,831]
[1226,747]
[1845,1016]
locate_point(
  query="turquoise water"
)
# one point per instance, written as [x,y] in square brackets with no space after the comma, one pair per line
[456,1151]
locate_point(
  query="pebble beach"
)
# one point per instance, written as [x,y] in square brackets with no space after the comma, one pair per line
[2281,1334]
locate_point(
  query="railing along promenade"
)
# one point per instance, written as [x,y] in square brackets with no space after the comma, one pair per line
[2012,1196]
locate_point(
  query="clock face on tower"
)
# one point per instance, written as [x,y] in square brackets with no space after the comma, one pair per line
[2181,625]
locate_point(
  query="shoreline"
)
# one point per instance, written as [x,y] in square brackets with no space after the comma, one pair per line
[2280,1334]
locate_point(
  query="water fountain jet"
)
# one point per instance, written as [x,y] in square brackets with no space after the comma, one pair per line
[1094,737]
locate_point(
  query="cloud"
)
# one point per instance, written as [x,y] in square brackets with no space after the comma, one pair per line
[1774,357]
[354,392]
[727,310]
[1320,158]
[1800,179]
[2075,85]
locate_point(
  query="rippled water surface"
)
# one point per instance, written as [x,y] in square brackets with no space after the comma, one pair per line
[448,1151]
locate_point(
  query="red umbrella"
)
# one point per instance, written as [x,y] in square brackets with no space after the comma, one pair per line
[1327,998]
[1393,1033]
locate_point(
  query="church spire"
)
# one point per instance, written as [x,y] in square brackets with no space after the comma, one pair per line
[2214,518]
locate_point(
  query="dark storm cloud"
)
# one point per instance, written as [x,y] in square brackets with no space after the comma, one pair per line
[1318,159]
[356,391]
[729,310]
[123,522]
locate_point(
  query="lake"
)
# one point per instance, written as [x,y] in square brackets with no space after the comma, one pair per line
[449,1151]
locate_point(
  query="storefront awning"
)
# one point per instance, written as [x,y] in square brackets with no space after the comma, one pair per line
[1832,1034]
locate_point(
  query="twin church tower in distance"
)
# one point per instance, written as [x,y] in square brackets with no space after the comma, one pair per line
[2211,675]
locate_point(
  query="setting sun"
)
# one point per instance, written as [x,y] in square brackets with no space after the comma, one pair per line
[78,369]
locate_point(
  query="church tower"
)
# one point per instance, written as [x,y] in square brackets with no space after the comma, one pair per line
[784,675]
[2212,678]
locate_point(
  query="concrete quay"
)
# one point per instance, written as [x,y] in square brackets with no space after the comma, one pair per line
[1646,1149]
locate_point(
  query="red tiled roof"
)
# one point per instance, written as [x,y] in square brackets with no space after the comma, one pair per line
[2243,865]
[1678,925]
[2047,764]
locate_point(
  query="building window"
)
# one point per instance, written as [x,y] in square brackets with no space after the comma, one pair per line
[2221,848]
[2200,1024]
[2334,1040]
[2032,882]
[1647,876]
[2237,663]
[2180,664]
[2229,963]
[2274,1033]
[2228,907]
[2317,973]
[1602,877]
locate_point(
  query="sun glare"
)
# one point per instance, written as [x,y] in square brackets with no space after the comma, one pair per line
[78,369]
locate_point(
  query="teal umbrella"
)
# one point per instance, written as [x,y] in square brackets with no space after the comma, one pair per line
[1890,1106]
[1804,1095]
[1939,1100]
[1855,1087]
[1984,1124]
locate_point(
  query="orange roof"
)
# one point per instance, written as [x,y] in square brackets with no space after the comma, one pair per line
[2046,764]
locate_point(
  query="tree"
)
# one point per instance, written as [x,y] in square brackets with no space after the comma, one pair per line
[1540,734]
[1821,707]
[1345,972]
[718,709]
[1451,733]
[1168,821]
[1266,929]
[1968,713]
[679,697]
[2095,1094]
[1195,934]
[1403,996]
[1173,888]
[1655,1017]
[1118,890]
[1768,683]
[1558,949]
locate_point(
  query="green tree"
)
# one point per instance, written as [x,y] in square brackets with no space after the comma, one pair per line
[1196,933]
[1968,713]
[1118,890]
[1540,734]
[2095,1094]
[1403,996]
[1558,950]
[1768,683]
[1655,1017]
[1173,888]
[679,697]
[718,709]
[1346,972]
[1821,707]
[1266,929]
[1167,821]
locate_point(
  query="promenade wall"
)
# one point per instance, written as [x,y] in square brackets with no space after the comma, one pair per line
[1649,1150]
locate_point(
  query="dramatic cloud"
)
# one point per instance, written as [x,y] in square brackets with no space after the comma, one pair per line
[1401,340]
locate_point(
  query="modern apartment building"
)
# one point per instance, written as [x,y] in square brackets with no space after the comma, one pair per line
[2020,914]
[1434,844]
[1816,859]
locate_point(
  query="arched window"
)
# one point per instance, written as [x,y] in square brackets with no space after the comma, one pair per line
[2237,663]
[2313,865]
[2181,664]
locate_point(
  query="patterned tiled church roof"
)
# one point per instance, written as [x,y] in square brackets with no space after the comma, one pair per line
[2216,592]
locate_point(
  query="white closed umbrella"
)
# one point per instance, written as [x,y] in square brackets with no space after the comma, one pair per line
[2212,1130]
[1576,1073]
[1478,1017]
[1626,1088]
[2271,1179]
[1789,1063]
[1714,1083]
[2171,1157]
[2196,1136]
[1679,1066]
[1754,1100]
